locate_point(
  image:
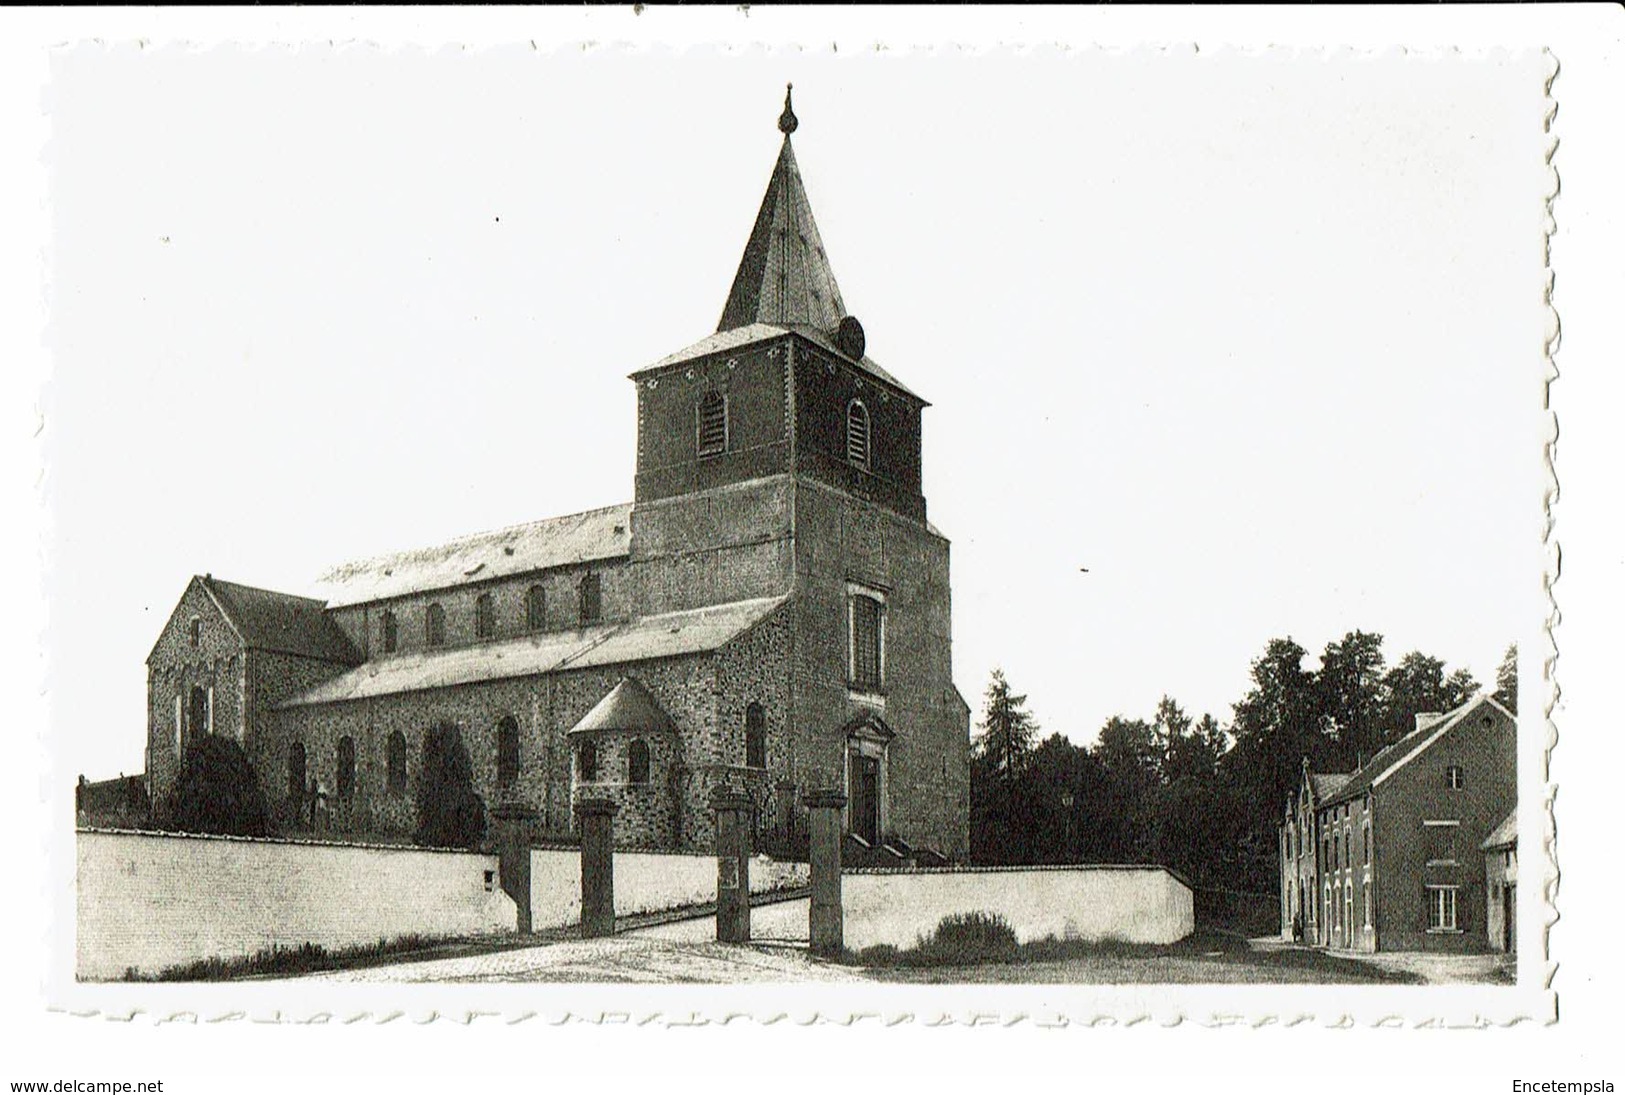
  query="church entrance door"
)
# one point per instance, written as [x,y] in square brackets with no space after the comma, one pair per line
[866,798]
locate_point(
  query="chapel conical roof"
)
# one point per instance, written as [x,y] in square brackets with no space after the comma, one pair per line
[784,277]
[628,706]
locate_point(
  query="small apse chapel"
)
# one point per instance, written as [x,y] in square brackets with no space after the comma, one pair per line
[770,613]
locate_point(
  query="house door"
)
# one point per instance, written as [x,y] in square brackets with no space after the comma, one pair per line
[1509,918]
[865,804]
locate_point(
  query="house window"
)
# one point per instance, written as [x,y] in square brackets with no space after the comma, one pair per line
[1365,843]
[536,608]
[1441,904]
[755,737]
[1366,891]
[867,639]
[397,763]
[194,632]
[434,625]
[637,762]
[1440,839]
[296,771]
[507,752]
[712,418]
[587,762]
[1453,777]
[484,617]
[391,631]
[857,435]
[592,598]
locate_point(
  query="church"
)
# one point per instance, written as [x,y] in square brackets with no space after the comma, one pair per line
[770,614]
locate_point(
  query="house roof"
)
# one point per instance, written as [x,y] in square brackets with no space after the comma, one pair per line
[628,706]
[1504,835]
[1326,784]
[667,635]
[280,622]
[1393,757]
[558,541]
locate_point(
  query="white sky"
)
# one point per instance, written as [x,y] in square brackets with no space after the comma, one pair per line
[1255,339]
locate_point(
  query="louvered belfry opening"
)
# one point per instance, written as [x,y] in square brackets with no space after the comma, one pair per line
[857,435]
[713,423]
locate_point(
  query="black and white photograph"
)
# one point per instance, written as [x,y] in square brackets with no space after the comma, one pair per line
[565,527]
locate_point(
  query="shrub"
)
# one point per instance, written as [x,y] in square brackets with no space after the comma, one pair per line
[966,939]
[963,939]
[450,814]
[218,792]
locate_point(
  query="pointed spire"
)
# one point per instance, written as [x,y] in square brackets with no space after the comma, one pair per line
[784,276]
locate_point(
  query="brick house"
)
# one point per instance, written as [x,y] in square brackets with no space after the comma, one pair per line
[769,613]
[1387,857]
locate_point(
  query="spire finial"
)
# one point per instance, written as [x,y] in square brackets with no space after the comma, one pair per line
[787,120]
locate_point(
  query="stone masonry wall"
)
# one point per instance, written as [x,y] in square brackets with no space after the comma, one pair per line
[174,668]
[364,623]
[722,545]
[545,707]
[926,783]
[753,379]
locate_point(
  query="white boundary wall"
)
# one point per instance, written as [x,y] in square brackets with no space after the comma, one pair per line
[644,882]
[150,901]
[1128,904]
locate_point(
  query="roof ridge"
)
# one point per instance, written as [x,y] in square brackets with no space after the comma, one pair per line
[210,579]
[472,537]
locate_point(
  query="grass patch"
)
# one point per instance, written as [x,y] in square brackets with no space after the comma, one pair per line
[280,961]
[1203,956]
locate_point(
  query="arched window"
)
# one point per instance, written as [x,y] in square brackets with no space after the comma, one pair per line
[536,608]
[296,770]
[391,631]
[434,625]
[507,751]
[857,434]
[592,598]
[712,417]
[637,762]
[346,767]
[587,762]
[755,737]
[484,617]
[397,763]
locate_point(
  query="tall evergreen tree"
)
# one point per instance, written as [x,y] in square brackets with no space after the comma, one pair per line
[1007,728]
[450,813]
[1506,680]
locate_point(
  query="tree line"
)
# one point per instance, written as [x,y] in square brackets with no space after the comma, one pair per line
[1191,793]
